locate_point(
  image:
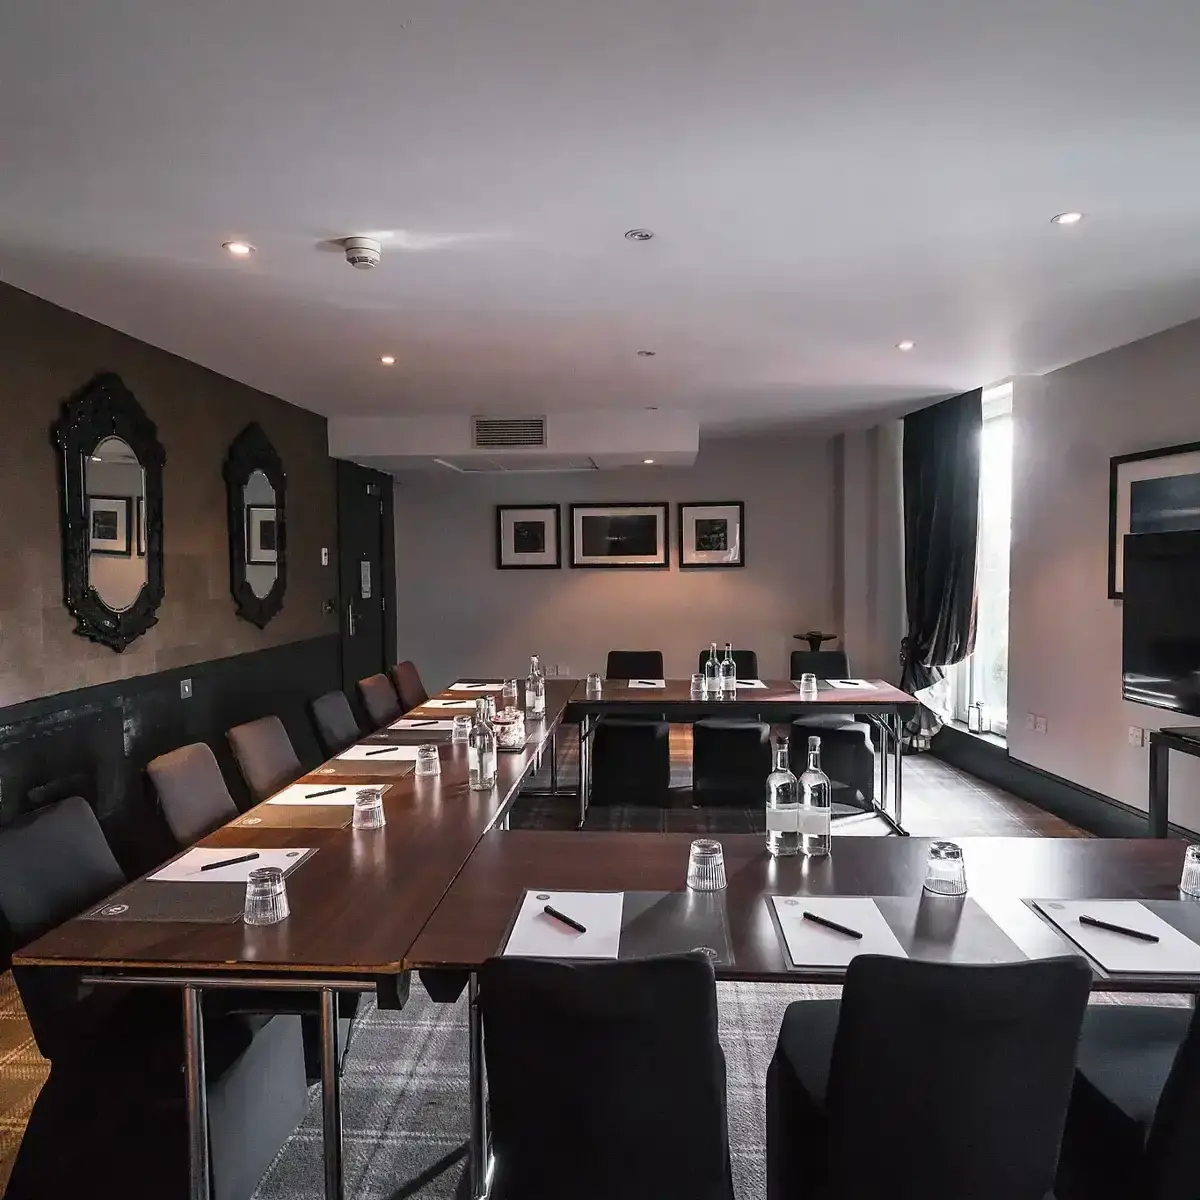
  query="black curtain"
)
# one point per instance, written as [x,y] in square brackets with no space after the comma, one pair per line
[941,536]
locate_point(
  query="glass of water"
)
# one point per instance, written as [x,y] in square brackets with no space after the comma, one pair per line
[593,684]
[266,897]
[1189,883]
[510,694]
[706,866]
[461,731]
[368,809]
[808,684]
[428,762]
[945,871]
[699,685]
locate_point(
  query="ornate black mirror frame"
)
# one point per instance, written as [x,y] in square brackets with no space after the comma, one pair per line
[252,451]
[106,408]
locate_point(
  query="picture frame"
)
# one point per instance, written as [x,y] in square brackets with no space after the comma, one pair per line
[712,534]
[262,535]
[528,537]
[141,527]
[620,536]
[1152,491]
[109,526]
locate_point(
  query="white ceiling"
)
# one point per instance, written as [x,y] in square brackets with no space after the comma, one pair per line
[825,179]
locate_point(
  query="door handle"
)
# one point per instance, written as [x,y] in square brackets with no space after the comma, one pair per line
[350,618]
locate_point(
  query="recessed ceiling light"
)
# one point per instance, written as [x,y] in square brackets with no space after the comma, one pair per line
[905,345]
[639,235]
[647,353]
[1067,218]
[238,249]
[648,461]
[388,360]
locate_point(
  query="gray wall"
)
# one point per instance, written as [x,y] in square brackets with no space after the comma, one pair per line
[457,614]
[1065,636]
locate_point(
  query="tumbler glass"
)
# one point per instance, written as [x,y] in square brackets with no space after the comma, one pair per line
[593,684]
[945,872]
[266,897]
[428,762]
[1189,883]
[368,809]
[706,866]
[510,694]
[699,686]
[808,684]
[462,730]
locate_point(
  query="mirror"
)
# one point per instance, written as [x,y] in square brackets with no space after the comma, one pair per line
[111,493]
[254,482]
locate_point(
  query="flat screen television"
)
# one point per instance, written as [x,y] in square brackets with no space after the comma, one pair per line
[1160,643]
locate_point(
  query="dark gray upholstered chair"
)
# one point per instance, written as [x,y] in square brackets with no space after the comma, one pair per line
[1135,1108]
[111,1116]
[334,722]
[730,761]
[634,664]
[265,756]
[380,700]
[191,792]
[746,662]
[409,688]
[605,1080]
[926,1079]
[824,664]
[631,756]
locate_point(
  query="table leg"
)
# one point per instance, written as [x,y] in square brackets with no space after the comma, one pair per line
[554,762]
[477,1158]
[585,767]
[1160,766]
[331,1098]
[898,753]
[885,733]
[197,1094]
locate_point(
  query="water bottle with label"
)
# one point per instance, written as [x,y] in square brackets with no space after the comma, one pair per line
[712,671]
[816,805]
[783,806]
[481,751]
[728,672]
[535,689]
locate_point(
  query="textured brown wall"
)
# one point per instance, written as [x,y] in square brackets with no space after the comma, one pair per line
[46,354]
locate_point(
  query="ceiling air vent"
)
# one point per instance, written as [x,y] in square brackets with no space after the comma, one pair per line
[507,433]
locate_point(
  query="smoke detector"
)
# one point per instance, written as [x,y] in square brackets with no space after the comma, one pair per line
[362,253]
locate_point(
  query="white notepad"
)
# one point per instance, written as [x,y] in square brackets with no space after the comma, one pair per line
[430,725]
[463,704]
[1172,954]
[535,934]
[186,868]
[476,687]
[812,945]
[379,754]
[647,683]
[851,683]
[751,683]
[306,793]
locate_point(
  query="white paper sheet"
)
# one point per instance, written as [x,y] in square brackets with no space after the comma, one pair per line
[812,945]
[1172,954]
[371,754]
[429,725]
[305,793]
[647,683]
[476,687]
[537,935]
[186,868]
[851,683]
[465,705]
[751,683]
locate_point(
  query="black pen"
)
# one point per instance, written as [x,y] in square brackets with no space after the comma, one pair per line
[326,792]
[416,724]
[385,750]
[1133,933]
[230,862]
[854,933]
[553,912]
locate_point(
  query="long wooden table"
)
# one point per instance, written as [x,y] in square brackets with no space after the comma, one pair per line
[780,700]
[357,905]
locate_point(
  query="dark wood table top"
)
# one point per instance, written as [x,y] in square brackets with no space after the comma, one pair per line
[357,904]
[471,922]
[780,696]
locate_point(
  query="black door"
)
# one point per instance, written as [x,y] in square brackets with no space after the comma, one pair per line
[367,576]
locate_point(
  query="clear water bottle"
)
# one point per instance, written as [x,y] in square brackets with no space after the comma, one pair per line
[481,751]
[783,806]
[816,804]
[728,672]
[535,689]
[712,670]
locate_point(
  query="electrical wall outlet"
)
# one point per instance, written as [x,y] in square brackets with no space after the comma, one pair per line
[185,689]
[324,556]
[1030,722]
[1137,735]
[1039,725]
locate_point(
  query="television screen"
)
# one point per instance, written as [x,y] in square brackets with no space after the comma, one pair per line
[1160,644]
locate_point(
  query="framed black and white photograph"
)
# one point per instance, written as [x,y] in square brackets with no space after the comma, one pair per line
[528,537]
[619,535]
[109,526]
[141,527]
[712,535]
[262,540]
[1153,491]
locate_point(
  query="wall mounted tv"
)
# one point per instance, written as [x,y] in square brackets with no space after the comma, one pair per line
[1160,644]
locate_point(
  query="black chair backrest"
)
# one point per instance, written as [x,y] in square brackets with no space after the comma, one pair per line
[634,664]
[409,687]
[1172,1163]
[379,699]
[191,792]
[606,1079]
[824,664]
[54,864]
[265,755]
[746,662]
[962,1074]
[334,721]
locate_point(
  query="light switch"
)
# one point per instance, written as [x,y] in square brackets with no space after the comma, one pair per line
[324,556]
[185,689]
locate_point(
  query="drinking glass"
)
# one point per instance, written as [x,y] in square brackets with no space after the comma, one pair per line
[1189,884]
[462,729]
[706,866]
[699,685]
[808,683]
[266,897]
[593,684]
[428,762]
[945,872]
[510,693]
[368,809]
[490,701]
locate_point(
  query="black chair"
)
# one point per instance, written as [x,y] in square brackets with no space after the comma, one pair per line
[380,700]
[605,1080]
[634,664]
[746,662]
[1135,1107]
[334,721]
[824,664]
[730,761]
[926,1079]
[631,761]
[191,792]
[409,688]
[265,756]
[110,1118]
